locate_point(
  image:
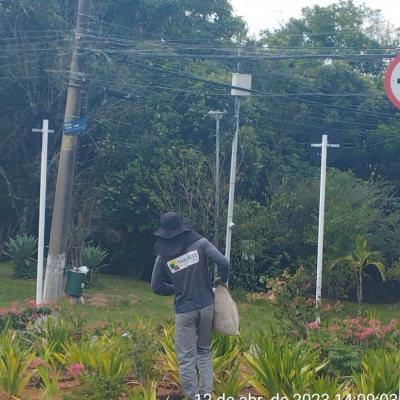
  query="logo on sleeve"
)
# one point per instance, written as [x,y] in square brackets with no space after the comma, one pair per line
[182,262]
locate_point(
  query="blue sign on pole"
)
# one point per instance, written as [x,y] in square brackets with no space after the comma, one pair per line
[77,125]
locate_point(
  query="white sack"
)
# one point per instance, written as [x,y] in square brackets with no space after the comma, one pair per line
[226,316]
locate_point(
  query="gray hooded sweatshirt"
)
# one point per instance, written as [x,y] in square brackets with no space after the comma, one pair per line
[189,276]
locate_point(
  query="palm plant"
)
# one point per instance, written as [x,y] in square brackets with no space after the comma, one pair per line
[358,260]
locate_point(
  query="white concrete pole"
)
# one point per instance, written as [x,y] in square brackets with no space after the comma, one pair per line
[324,156]
[324,153]
[232,181]
[42,211]
[218,114]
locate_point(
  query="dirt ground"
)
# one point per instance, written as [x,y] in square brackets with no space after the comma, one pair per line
[34,392]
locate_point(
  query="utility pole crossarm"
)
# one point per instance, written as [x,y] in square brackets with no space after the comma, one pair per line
[327,145]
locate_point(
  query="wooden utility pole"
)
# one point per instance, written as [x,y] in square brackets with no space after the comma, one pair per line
[56,258]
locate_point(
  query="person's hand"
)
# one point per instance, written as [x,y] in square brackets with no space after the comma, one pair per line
[219,282]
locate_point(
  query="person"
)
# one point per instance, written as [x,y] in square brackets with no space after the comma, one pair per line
[181,269]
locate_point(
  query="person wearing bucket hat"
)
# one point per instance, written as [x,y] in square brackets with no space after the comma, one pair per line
[181,269]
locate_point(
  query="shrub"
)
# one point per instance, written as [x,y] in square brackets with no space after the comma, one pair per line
[137,341]
[98,387]
[50,338]
[93,257]
[21,251]
[98,355]
[19,318]
[380,372]
[344,341]
[230,383]
[146,391]
[293,302]
[327,388]
[49,382]
[363,332]
[281,367]
[15,358]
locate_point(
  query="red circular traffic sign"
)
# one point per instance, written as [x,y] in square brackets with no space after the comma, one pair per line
[392,81]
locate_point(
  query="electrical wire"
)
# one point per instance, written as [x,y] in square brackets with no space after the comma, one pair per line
[315,127]
[260,94]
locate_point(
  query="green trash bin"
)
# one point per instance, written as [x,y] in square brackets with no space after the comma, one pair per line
[76,281]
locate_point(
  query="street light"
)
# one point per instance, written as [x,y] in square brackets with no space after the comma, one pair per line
[238,81]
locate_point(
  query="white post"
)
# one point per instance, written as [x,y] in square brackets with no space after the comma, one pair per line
[321,220]
[42,212]
[229,224]
[218,114]
[324,155]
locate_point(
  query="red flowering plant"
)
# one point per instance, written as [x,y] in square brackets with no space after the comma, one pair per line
[79,371]
[363,332]
[343,341]
[340,341]
[292,297]
[19,317]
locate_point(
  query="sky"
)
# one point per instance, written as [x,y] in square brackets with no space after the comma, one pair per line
[262,14]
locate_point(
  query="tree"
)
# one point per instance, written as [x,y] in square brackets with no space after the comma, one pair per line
[341,24]
[33,43]
[358,260]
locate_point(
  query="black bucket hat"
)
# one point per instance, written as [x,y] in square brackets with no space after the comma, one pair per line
[174,236]
[172,225]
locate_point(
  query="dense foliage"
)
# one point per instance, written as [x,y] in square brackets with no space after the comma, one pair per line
[153,72]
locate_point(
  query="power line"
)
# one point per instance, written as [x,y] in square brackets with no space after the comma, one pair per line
[294,97]
[147,53]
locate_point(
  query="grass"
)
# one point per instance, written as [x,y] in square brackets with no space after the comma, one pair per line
[120,298]
[14,289]
[115,298]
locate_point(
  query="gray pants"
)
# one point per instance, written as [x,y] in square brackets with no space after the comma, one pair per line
[193,335]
